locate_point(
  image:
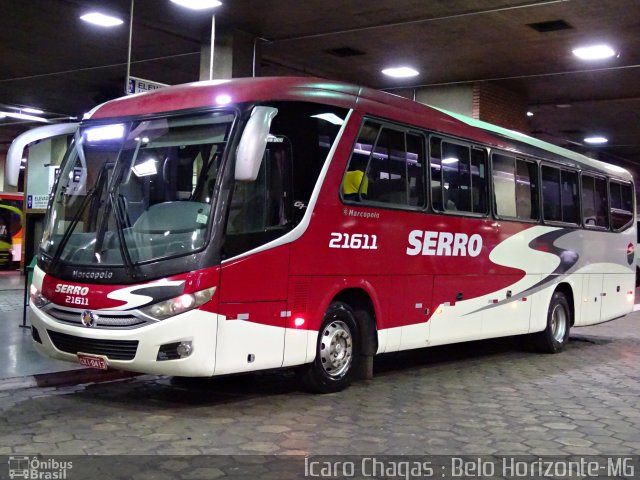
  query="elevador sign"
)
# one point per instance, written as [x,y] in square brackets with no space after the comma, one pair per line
[140,85]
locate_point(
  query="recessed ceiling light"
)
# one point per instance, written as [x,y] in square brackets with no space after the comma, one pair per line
[596,140]
[400,72]
[594,52]
[101,19]
[529,114]
[198,4]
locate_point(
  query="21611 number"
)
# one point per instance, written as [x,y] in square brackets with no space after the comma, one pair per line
[360,241]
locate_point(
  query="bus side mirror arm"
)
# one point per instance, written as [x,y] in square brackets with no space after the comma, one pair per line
[253,143]
[16,150]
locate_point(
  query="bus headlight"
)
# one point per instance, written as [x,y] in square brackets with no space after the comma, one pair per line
[177,305]
[38,300]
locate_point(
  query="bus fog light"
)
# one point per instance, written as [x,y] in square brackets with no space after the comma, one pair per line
[184,349]
[175,350]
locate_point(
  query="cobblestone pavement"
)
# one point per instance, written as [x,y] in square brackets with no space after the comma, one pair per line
[479,398]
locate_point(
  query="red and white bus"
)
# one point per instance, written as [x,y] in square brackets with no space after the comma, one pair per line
[232,226]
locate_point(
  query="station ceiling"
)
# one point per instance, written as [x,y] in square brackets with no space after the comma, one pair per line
[51,60]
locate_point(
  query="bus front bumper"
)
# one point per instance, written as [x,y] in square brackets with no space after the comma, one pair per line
[154,352]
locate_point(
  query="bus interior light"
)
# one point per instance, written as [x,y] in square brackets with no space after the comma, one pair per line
[145,169]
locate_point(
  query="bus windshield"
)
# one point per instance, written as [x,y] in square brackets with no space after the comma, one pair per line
[135,192]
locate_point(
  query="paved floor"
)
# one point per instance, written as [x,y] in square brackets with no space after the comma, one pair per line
[18,358]
[475,398]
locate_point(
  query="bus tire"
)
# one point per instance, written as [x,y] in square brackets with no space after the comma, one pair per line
[337,350]
[556,334]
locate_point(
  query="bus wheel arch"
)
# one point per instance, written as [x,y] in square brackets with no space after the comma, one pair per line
[364,311]
[345,345]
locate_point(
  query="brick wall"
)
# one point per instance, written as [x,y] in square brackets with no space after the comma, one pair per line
[500,106]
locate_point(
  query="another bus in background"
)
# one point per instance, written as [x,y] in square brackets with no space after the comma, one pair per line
[11,229]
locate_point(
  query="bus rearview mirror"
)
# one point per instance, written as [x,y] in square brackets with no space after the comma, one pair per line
[21,142]
[253,143]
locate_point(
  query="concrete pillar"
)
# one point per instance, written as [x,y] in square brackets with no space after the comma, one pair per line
[232,55]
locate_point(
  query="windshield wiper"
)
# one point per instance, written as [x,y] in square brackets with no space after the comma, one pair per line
[69,230]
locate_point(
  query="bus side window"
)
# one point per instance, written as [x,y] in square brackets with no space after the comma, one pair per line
[621,205]
[515,184]
[355,184]
[387,167]
[551,194]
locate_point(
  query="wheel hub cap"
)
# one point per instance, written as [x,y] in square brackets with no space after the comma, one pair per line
[336,348]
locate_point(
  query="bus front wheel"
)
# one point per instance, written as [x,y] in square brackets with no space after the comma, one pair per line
[336,351]
[556,334]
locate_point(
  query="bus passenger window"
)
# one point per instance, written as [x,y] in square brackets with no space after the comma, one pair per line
[458,177]
[515,187]
[355,185]
[551,194]
[526,190]
[504,185]
[386,168]
[595,211]
[560,195]
[570,213]
[621,205]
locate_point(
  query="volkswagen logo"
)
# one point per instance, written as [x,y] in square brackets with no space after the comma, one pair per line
[88,318]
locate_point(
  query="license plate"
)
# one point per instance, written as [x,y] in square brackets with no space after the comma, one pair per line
[93,361]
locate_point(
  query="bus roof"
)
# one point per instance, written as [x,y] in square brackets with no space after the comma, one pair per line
[213,93]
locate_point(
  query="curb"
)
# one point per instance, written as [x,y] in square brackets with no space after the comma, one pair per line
[65,378]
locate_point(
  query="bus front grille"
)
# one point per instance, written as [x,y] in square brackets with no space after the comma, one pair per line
[112,349]
[106,320]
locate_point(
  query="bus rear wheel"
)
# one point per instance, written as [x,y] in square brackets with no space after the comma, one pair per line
[556,334]
[336,351]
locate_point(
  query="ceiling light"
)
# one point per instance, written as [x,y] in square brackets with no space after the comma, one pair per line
[37,111]
[23,116]
[400,72]
[101,19]
[198,4]
[596,140]
[594,52]
[529,114]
